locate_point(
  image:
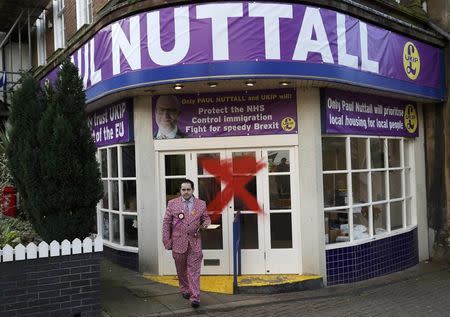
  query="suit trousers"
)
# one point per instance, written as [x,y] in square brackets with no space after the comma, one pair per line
[188,267]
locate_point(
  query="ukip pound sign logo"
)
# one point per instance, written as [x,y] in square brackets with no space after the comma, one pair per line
[288,124]
[411,60]
[410,118]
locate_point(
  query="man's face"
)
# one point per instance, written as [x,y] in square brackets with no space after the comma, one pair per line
[166,115]
[186,190]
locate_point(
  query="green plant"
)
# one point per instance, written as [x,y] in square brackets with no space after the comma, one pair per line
[14,231]
[55,168]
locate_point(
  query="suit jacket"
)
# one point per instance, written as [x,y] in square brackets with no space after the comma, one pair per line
[179,231]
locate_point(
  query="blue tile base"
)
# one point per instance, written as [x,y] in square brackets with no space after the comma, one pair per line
[376,258]
[129,260]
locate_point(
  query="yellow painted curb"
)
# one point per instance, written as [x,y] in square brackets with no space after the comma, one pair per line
[224,283]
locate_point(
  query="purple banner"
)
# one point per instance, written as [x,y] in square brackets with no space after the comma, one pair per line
[226,114]
[112,124]
[361,114]
[258,31]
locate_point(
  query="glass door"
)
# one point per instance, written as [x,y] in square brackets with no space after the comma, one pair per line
[280,218]
[252,223]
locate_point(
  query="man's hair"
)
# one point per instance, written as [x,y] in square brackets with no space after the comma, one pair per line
[169,100]
[187,181]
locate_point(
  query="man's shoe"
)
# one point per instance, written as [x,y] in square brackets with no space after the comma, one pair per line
[186,295]
[195,304]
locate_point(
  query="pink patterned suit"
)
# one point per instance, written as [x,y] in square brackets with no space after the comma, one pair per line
[181,235]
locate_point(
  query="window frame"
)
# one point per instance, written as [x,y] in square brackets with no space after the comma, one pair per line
[406,167]
[41,39]
[59,28]
[108,209]
[84,13]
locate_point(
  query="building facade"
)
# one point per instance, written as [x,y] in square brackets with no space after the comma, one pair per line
[307,117]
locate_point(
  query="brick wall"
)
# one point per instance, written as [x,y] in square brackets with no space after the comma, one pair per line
[97,5]
[55,286]
[49,36]
[70,18]
[129,260]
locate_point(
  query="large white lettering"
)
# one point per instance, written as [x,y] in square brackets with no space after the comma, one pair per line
[272,13]
[96,75]
[86,65]
[219,14]
[131,49]
[312,21]
[343,57]
[366,63]
[182,37]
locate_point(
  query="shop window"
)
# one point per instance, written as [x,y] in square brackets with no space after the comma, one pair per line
[117,208]
[84,12]
[367,186]
[41,40]
[58,23]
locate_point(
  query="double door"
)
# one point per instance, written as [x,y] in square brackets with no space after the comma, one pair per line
[269,237]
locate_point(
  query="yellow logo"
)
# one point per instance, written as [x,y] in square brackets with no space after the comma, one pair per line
[288,124]
[410,117]
[411,60]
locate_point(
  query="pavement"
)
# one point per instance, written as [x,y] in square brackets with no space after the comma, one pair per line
[423,290]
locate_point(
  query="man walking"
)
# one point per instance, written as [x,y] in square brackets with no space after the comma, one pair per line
[185,217]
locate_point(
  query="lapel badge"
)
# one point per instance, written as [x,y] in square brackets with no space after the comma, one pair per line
[193,212]
[181,216]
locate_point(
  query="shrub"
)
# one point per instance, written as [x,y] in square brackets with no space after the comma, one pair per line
[54,166]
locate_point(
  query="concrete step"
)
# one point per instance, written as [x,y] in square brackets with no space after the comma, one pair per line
[249,284]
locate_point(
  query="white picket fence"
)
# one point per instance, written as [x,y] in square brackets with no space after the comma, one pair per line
[44,250]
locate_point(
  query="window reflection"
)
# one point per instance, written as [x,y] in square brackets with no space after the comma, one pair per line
[173,188]
[105,200]
[250,187]
[115,228]
[250,161]
[130,231]
[114,162]
[335,190]
[214,157]
[378,186]
[359,186]
[278,161]
[105,223]
[175,165]
[249,231]
[129,195]
[394,152]
[379,218]
[280,230]
[280,192]
[333,154]
[104,162]
[396,211]
[336,227]
[358,153]
[128,161]
[377,153]
[115,195]
[395,184]
[208,189]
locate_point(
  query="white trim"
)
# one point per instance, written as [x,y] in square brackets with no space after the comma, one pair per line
[41,39]
[226,142]
[366,240]
[120,247]
[58,24]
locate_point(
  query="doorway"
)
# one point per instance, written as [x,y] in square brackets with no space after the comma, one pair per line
[269,239]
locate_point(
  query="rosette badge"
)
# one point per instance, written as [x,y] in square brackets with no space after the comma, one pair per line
[181,216]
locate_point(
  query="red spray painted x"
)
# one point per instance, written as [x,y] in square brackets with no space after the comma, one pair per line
[245,167]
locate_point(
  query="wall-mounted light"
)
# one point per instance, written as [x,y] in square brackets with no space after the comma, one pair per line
[212,85]
[178,86]
[250,83]
[285,83]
